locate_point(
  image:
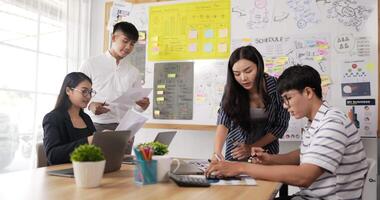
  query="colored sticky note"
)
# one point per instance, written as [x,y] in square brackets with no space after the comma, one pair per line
[222,47]
[160,99]
[160,92]
[192,47]
[171,75]
[318,58]
[207,47]
[160,86]
[247,40]
[325,80]
[142,35]
[193,34]
[156,112]
[223,33]
[209,33]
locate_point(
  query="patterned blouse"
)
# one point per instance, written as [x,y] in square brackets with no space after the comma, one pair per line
[277,123]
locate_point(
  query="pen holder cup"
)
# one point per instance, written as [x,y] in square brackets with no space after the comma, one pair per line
[145,172]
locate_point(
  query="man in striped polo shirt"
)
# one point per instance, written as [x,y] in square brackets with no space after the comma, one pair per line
[331,162]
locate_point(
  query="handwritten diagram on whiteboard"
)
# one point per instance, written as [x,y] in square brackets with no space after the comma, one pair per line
[336,37]
[198,30]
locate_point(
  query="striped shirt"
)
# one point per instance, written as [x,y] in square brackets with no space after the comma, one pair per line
[277,123]
[332,142]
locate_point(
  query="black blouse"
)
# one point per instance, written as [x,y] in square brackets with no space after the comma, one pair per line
[61,137]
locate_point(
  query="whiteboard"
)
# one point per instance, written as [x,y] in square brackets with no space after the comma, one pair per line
[337,37]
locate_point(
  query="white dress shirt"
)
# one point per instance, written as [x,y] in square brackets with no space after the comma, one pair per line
[110,81]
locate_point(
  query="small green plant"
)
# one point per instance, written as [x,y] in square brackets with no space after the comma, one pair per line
[87,153]
[158,147]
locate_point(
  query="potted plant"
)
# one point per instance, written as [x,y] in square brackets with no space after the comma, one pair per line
[159,148]
[88,163]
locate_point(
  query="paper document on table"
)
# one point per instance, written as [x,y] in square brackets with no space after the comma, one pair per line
[132,121]
[132,95]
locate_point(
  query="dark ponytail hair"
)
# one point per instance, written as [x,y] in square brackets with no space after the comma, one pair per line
[235,101]
[71,80]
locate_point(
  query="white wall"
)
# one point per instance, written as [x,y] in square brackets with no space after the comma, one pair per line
[96,29]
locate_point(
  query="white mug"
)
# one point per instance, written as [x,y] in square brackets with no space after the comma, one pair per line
[163,167]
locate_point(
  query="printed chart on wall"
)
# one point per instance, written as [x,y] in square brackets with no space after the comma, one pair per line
[336,37]
[173,91]
[182,31]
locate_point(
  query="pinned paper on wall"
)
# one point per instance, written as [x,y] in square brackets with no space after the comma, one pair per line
[192,30]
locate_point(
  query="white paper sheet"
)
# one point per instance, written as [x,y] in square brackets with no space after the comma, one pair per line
[132,95]
[132,121]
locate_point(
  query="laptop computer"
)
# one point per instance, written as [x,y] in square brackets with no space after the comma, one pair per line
[165,137]
[112,143]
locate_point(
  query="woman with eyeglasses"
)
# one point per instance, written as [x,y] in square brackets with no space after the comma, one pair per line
[251,112]
[67,126]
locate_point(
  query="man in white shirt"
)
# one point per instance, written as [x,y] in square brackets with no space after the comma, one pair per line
[112,76]
[331,162]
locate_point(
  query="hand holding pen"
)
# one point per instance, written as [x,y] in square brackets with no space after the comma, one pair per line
[259,156]
[98,108]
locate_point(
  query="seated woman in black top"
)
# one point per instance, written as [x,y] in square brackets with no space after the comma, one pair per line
[67,126]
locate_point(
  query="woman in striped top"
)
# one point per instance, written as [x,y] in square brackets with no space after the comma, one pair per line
[251,114]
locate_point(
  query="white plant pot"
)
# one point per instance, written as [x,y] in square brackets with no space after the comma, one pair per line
[88,174]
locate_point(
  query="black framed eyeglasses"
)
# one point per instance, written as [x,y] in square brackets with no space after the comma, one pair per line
[86,92]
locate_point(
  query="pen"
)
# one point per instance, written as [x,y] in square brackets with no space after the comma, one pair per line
[104,103]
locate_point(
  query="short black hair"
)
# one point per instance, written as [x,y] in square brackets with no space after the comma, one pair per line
[298,77]
[128,29]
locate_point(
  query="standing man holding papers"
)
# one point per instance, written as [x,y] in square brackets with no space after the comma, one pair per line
[112,76]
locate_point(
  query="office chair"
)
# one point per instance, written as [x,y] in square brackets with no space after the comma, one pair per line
[369,187]
[41,155]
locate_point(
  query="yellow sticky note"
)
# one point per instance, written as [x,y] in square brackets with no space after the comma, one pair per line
[160,86]
[247,40]
[171,75]
[193,34]
[325,80]
[142,36]
[318,58]
[160,92]
[160,99]
[156,112]
[222,47]
[223,33]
